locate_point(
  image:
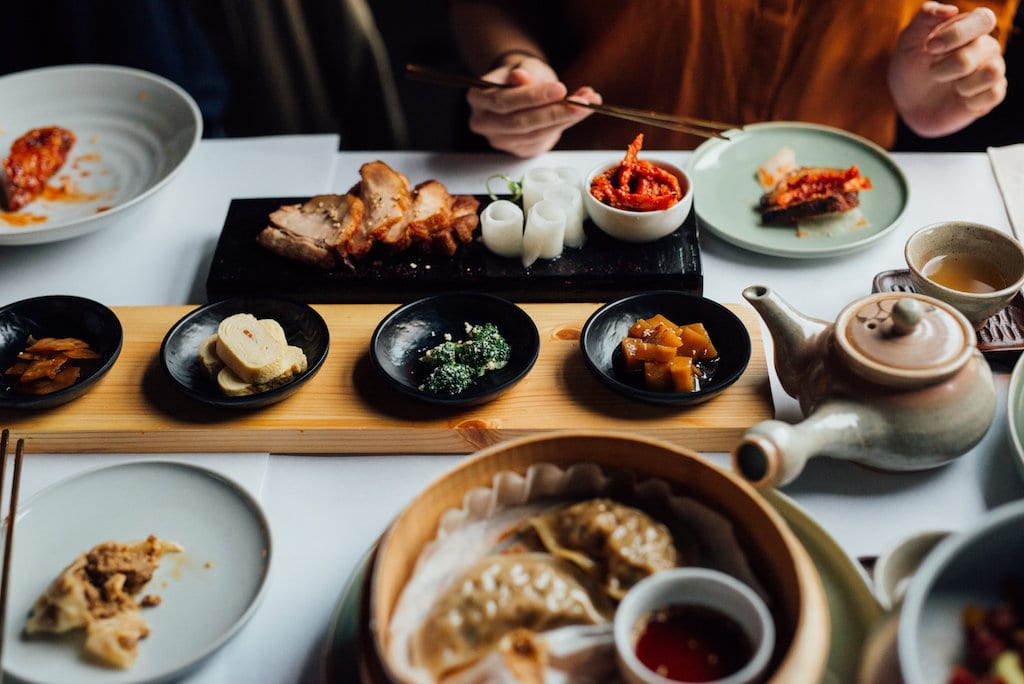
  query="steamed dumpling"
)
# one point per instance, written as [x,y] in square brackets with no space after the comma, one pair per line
[498,595]
[615,544]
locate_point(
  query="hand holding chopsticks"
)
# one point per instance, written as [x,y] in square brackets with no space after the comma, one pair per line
[684,124]
[11,515]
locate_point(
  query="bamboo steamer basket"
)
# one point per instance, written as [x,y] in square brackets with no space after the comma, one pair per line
[778,559]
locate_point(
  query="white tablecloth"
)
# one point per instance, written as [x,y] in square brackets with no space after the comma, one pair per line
[325,511]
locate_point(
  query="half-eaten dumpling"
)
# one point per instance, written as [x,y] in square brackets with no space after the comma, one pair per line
[498,595]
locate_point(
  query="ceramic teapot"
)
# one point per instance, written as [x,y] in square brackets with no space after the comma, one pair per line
[897,383]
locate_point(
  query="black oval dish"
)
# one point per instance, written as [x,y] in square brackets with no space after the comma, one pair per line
[57,316]
[601,339]
[179,353]
[408,331]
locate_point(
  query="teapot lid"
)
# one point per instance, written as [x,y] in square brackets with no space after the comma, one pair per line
[903,338]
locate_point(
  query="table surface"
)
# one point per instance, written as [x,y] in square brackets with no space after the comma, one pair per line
[326,511]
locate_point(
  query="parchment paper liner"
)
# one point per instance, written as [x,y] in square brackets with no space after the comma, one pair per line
[464,535]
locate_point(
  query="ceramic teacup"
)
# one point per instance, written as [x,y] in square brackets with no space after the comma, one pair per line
[976,268]
[896,566]
[700,588]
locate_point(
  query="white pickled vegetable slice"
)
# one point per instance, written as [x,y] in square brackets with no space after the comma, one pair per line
[571,199]
[545,232]
[570,176]
[775,167]
[535,182]
[501,225]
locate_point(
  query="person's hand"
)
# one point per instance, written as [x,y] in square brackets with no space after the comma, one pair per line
[947,70]
[529,119]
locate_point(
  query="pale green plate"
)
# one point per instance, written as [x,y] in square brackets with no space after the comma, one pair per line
[726,192]
[1015,412]
[853,609]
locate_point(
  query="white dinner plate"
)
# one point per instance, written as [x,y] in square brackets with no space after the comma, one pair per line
[726,191]
[133,131]
[208,592]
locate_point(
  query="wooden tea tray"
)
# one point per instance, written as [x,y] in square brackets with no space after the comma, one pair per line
[346,408]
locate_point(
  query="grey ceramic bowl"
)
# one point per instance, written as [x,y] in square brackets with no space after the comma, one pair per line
[954,240]
[967,568]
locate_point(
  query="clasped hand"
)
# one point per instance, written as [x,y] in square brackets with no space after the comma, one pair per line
[947,69]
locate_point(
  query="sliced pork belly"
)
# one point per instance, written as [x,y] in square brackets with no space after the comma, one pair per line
[431,210]
[312,232]
[387,197]
[379,209]
[464,216]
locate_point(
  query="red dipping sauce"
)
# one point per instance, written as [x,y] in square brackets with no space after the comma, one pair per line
[692,644]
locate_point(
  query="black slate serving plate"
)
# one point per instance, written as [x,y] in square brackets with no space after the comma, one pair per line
[604,269]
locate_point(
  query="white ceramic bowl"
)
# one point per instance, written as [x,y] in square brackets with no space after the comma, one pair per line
[639,226]
[701,587]
[969,567]
[134,132]
[998,249]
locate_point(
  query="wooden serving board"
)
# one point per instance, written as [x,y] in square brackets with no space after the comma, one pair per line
[346,407]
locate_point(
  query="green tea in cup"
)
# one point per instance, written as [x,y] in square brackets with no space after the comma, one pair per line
[964,272]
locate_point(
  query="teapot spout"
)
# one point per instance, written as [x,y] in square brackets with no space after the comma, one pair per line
[773,453]
[798,340]
[770,454]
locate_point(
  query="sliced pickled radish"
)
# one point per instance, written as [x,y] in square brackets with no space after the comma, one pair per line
[535,182]
[571,199]
[501,225]
[570,176]
[545,232]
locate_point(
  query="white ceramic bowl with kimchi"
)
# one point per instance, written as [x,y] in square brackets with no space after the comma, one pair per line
[131,132]
[638,208]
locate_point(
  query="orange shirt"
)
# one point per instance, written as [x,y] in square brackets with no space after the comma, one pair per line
[739,61]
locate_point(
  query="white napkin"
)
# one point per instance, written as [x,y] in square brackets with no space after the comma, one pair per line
[1008,167]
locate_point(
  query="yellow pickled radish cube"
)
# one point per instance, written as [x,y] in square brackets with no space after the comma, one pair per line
[696,342]
[664,336]
[681,372]
[645,326]
[636,351]
[631,352]
[657,376]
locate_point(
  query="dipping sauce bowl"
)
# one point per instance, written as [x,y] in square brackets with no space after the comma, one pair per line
[693,625]
[973,267]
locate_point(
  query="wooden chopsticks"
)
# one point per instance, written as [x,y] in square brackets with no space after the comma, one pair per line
[11,516]
[702,127]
